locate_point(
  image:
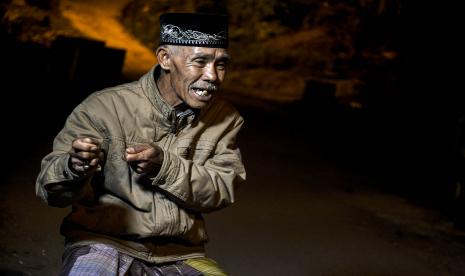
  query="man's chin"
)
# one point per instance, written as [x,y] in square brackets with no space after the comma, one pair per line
[197,104]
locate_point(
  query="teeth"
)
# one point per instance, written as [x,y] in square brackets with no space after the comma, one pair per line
[201,92]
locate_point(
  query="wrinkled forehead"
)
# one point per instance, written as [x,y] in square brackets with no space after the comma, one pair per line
[205,52]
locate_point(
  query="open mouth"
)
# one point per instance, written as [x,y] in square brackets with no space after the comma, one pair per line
[202,92]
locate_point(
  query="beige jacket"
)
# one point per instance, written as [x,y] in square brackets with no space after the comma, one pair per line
[157,219]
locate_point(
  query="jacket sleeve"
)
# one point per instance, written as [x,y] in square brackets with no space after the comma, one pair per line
[208,187]
[57,184]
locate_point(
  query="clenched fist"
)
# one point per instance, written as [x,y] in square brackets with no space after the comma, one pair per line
[145,158]
[86,156]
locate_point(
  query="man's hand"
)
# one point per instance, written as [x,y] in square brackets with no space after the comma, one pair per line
[145,158]
[86,156]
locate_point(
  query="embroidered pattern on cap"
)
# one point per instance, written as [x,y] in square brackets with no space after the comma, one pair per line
[172,33]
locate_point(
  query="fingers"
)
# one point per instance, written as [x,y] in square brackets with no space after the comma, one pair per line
[137,148]
[144,158]
[86,155]
[139,167]
[86,144]
[86,149]
[144,167]
[81,168]
[83,164]
[89,163]
[137,153]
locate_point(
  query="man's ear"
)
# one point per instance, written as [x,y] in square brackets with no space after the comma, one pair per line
[164,58]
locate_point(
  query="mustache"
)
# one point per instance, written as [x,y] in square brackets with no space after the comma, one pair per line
[205,86]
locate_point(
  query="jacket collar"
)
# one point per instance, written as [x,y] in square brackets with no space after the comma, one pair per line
[176,116]
[150,89]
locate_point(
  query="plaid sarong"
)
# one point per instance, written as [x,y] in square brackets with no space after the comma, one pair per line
[103,260]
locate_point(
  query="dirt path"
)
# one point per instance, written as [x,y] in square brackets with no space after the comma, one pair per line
[99,20]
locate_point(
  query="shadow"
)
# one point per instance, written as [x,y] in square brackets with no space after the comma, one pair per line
[44,84]
[405,146]
[7,272]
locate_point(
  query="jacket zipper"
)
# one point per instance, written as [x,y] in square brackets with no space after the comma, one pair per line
[171,135]
[174,123]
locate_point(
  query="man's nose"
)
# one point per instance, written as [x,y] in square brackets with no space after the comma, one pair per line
[210,73]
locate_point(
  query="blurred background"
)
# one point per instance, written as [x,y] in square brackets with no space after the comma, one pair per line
[349,173]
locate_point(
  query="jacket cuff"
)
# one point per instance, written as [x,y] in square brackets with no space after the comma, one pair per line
[66,171]
[168,173]
[61,171]
[162,175]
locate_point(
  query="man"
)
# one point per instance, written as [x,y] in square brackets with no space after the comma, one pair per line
[141,162]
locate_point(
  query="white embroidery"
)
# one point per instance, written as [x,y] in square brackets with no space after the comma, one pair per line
[172,33]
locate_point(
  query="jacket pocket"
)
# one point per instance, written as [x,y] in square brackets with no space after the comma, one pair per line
[197,151]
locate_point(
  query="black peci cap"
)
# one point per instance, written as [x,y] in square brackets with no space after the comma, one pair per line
[194,29]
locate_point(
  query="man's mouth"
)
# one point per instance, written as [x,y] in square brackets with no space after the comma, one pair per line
[201,91]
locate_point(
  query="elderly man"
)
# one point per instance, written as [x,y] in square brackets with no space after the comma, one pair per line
[141,162]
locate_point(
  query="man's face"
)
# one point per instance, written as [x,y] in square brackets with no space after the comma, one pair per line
[197,73]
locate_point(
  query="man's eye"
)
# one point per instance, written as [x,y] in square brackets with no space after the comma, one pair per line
[221,66]
[200,61]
